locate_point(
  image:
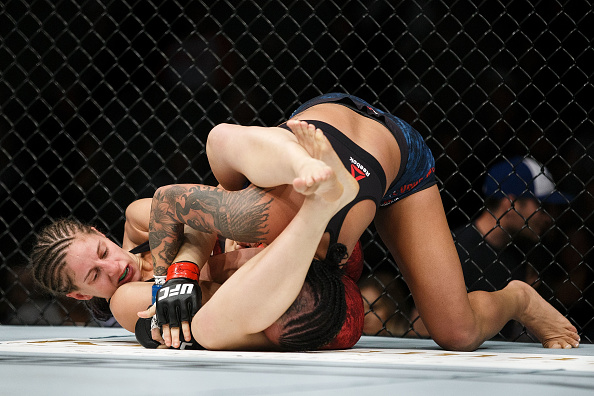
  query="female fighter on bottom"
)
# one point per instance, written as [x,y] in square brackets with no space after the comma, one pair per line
[395,171]
[268,303]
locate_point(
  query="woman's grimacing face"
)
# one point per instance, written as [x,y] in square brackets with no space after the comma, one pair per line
[99,266]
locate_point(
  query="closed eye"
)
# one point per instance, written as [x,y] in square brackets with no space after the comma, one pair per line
[96,275]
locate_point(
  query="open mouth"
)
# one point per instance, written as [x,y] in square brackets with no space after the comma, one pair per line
[124,274]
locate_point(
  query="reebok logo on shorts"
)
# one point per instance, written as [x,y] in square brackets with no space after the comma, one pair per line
[358,171]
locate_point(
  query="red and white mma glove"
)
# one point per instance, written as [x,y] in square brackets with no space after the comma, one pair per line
[180,297]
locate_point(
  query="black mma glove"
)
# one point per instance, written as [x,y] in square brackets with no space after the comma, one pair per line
[142,331]
[180,297]
[145,338]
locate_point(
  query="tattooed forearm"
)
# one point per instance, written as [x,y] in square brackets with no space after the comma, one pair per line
[165,232]
[170,250]
[238,215]
[159,270]
[244,216]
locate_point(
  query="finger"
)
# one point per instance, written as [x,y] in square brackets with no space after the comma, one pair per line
[174,320]
[148,313]
[166,334]
[156,335]
[175,337]
[187,331]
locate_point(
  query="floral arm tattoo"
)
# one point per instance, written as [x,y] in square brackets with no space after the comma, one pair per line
[238,215]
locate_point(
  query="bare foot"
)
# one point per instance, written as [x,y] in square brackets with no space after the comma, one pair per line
[312,172]
[339,185]
[551,328]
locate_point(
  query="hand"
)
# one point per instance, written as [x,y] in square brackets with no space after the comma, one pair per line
[148,333]
[177,302]
[147,329]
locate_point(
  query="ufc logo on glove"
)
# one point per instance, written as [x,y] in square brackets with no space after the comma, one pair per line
[180,297]
[179,289]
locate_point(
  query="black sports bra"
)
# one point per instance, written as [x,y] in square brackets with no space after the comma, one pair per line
[363,167]
[142,248]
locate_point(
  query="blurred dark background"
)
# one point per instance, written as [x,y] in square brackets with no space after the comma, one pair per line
[104,101]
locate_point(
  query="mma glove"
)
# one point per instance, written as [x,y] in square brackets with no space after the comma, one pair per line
[180,297]
[143,334]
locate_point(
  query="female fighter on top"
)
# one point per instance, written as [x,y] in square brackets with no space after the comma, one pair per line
[395,171]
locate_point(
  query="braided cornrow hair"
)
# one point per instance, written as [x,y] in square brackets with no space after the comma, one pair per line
[311,329]
[48,256]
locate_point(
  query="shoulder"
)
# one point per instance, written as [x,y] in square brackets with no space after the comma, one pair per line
[128,300]
[137,223]
[138,211]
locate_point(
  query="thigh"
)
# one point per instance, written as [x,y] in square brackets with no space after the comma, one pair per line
[264,156]
[416,232]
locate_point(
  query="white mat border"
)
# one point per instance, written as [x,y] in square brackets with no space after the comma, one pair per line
[123,347]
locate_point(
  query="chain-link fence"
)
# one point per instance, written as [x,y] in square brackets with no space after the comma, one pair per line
[104,101]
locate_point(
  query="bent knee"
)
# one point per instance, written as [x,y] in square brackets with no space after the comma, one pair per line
[459,338]
[217,137]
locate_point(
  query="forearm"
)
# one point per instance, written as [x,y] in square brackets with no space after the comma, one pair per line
[196,246]
[166,233]
[240,215]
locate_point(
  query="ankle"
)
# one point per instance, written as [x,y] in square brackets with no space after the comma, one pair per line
[520,295]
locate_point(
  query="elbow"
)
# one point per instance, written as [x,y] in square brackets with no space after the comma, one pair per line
[218,137]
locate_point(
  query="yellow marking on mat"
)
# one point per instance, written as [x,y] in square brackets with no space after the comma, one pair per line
[82,343]
[48,341]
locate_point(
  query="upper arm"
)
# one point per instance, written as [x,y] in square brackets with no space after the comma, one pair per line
[136,228]
[128,300]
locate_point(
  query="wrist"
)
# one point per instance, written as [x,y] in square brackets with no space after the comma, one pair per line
[183,269]
[159,281]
